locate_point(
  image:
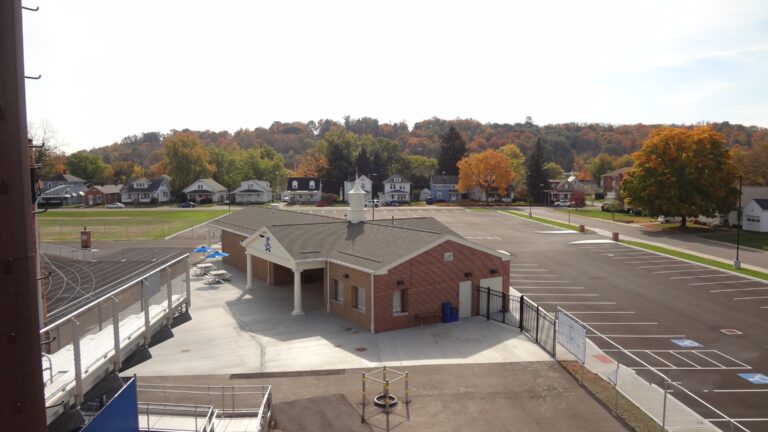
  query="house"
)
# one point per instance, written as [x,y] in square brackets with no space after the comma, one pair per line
[366,185]
[478,194]
[101,195]
[755,217]
[424,194]
[443,188]
[748,193]
[63,189]
[146,190]
[611,181]
[397,188]
[206,190]
[564,189]
[381,275]
[252,192]
[304,190]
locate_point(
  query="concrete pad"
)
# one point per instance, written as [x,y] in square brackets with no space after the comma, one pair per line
[233,330]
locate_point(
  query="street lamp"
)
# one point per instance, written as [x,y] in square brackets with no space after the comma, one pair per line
[736,262]
[530,200]
[373,197]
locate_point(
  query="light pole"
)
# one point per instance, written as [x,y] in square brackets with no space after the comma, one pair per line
[530,200]
[736,262]
[373,197]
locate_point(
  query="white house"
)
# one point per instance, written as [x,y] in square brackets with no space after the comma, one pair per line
[253,191]
[756,215]
[144,190]
[397,188]
[206,189]
[424,194]
[366,185]
[304,190]
[749,193]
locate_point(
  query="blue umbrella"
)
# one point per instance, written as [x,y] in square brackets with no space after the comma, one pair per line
[217,254]
[203,249]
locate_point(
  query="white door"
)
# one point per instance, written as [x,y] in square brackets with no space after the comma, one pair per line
[465,299]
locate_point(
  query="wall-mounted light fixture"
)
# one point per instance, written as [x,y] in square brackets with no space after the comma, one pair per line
[494,271]
[468,274]
[261,235]
[345,275]
[401,282]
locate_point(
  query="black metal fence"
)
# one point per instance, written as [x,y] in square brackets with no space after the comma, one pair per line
[518,311]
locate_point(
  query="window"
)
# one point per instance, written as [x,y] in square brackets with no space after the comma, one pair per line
[294,185]
[199,186]
[311,184]
[358,299]
[399,302]
[448,257]
[337,292]
[99,199]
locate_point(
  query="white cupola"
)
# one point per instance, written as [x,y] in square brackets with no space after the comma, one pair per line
[356,206]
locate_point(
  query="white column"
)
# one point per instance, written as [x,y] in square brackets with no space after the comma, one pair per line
[248,271]
[297,293]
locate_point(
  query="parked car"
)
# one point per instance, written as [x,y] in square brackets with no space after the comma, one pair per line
[391,204]
[115,205]
[429,201]
[564,203]
[188,204]
[668,219]
[373,203]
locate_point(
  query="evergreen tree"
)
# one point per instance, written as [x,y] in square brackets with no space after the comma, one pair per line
[363,162]
[452,149]
[537,177]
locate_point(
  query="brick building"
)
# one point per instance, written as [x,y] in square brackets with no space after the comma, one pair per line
[611,181]
[381,275]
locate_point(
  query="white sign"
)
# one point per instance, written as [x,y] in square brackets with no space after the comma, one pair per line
[572,335]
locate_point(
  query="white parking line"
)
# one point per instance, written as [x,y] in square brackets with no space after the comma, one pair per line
[650,261]
[642,336]
[571,295]
[625,253]
[681,271]
[723,282]
[750,298]
[707,358]
[590,303]
[539,281]
[667,265]
[739,391]
[530,270]
[518,265]
[634,257]
[654,355]
[740,289]
[700,276]
[545,287]
[678,355]
[606,312]
[530,275]
[623,323]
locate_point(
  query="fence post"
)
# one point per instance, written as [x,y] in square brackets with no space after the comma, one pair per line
[664,408]
[78,362]
[362,415]
[487,303]
[145,302]
[503,307]
[116,331]
[188,282]
[169,279]
[538,314]
[522,308]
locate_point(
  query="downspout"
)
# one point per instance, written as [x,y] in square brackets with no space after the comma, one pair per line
[327,287]
[373,307]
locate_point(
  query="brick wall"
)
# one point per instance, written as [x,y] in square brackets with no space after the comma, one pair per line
[230,243]
[430,281]
[344,308]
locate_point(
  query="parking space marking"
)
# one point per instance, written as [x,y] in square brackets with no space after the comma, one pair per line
[605,312]
[735,364]
[625,253]
[575,302]
[750,298]
[670,364]
[740,289]
[638,336]
[681,271]
[539,281]
[560,294]
[530,275]
[546,287]
[622,323]
[667,265]
[700,276]
[530,270]
[723,282]
[650,261]
[615,256]
[518,265]
[738,391]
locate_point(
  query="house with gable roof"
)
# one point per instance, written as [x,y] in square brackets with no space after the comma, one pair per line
[397,188]
[144,190]
[253,192]
[206,190]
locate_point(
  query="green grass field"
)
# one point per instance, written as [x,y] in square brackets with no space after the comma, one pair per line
[751,239]
[596,213]
[121,224]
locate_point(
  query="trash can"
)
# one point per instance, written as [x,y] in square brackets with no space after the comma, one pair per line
[85,238]
[446,312]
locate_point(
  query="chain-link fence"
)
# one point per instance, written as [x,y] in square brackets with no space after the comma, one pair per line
[90,340]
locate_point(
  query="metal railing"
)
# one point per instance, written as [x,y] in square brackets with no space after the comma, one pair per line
[520,312]
[164,416]
[94,339]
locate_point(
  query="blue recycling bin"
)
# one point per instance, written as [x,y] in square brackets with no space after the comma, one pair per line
[454,314]
[446,312]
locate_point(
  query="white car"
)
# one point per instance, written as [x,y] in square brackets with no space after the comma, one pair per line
[563,203]
[115,205]
[373,203]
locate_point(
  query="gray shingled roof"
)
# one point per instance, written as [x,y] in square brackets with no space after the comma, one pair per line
[762,203]
[372,244]
[152,185]
[209,184]
[109,189]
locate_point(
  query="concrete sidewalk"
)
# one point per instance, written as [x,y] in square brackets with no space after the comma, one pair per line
[238,331]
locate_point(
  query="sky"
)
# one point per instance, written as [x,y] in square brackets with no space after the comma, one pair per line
[116,68]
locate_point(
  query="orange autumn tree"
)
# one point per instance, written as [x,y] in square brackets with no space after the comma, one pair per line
[489,170]
[311,164]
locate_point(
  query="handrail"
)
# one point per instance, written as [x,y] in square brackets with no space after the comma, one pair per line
[112,293]
[50,366]
[267,397]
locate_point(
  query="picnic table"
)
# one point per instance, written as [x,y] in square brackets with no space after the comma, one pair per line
[203,269]
[217,276]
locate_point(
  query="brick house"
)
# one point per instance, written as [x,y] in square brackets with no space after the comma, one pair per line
[101,195]
[611,181]
[381,275]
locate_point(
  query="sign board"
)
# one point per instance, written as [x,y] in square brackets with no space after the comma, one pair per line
[572,335]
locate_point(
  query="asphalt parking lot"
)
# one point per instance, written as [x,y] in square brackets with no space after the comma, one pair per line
[700,327]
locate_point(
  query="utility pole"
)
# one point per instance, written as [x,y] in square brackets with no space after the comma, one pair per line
[22,405]
[737,262]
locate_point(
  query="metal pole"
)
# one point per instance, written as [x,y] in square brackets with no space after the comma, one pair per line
[407,399]
[736,262]
[116,332]
[538,314]
[188,282]
[145,303]
[664,408]
[78,362]
[522,308]
[386,401]
[487,303]
[362,414]
[169,280]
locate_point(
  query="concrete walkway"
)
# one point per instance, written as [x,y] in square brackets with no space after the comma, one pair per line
[238,331]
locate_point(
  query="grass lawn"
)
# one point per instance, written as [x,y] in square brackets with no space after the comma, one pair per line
[697,259]
[543,220]
[751,239]
[121,224]
[596,213]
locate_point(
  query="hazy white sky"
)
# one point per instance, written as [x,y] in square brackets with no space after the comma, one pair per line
[116,68]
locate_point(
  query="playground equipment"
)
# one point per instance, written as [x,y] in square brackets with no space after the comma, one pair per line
[386,401]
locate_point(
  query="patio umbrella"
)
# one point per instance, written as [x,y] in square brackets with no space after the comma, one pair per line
[203,249]
[216,254]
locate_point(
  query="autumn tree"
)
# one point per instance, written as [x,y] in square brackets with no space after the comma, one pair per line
[452,149]
[185,160]
[517,162]
[752,163]
[489,170]
[553,171]
[49,155]
[89,167]
[682,172]
[312,164]
[536,181]
[417,169]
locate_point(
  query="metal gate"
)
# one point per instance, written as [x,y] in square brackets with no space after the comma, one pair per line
[518,312]
[497,305]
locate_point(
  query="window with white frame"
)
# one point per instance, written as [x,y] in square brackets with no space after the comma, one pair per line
[399,301]
[311,184]
[337,290]
[358,299]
